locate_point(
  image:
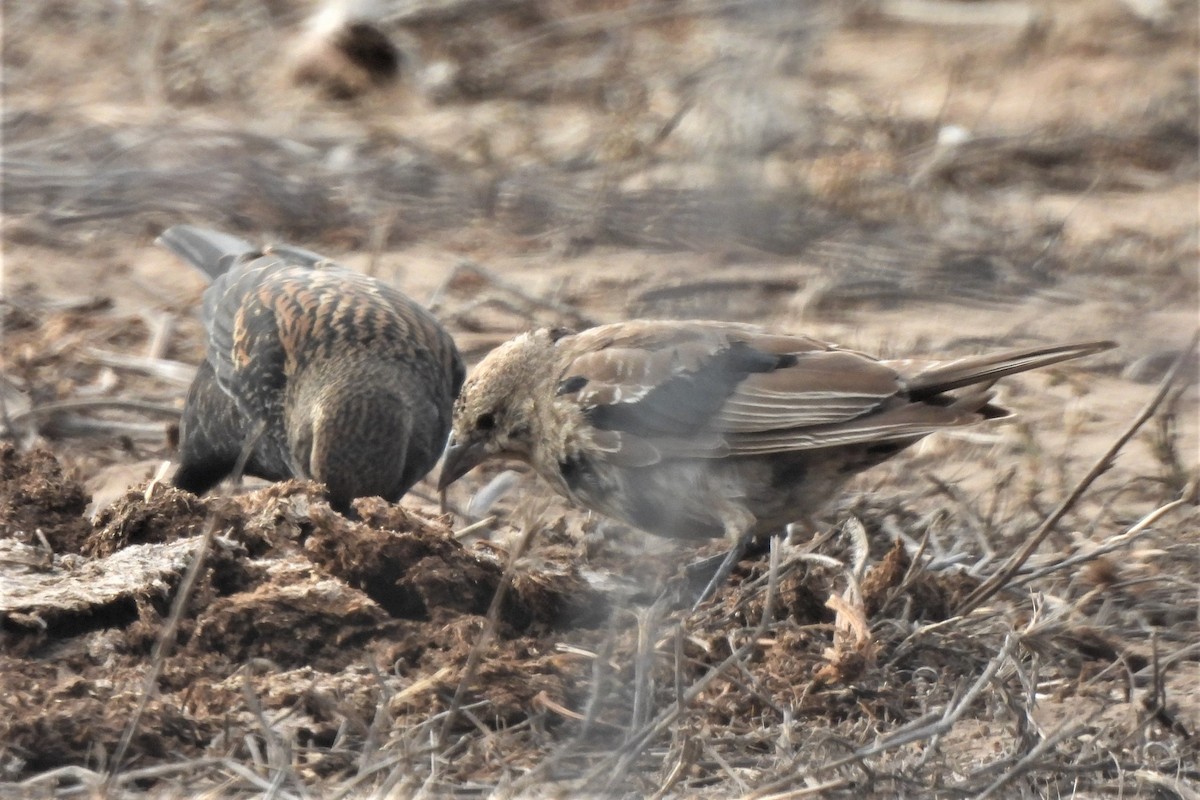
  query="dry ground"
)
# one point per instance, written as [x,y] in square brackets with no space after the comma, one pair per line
[902,177]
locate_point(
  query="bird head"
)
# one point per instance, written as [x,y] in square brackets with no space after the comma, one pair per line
[496,414]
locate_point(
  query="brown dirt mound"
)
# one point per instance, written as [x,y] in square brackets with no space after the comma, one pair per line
[167,515]
[35,494]
[302,603]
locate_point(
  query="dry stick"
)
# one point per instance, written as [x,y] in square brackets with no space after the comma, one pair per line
[602,671]
[578,25]
[474,527]
[1166,447]
[1173,786]
[85,404]
[1155,703]
[976,524]
[1190,495]
[277,749]
[1001,578]
[239,467]
[687,757]
[643,664]
[809,791]
[164,770]
[8,430]
[252,777]
[162,327]
[1066,730]
[80,426]
[617,763]
[380,720]
[81,775]
[162,368]
[158,658]
[485,636]
[378,240]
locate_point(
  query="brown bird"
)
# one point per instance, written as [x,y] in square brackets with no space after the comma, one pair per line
[312,371]
[701,429]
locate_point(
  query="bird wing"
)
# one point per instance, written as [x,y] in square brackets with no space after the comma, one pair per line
[245,349]
[269,317]
[652,390]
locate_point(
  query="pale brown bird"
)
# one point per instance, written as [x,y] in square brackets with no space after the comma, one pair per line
[312,371]
[701,429]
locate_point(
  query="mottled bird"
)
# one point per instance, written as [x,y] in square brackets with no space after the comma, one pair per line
[696,429]
[312,371]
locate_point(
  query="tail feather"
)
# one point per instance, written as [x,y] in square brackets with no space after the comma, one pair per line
[209,251]
[296,254]
[987,369]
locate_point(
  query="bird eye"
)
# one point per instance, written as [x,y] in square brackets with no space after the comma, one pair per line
[485,422]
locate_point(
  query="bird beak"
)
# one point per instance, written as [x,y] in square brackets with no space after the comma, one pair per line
[459,459]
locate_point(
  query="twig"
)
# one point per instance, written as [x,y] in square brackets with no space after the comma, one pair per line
[1170,785]
[808,791]
[278,750]
[485,636]
[648,621]
[616,764]
[80,426]
[687,757]
[474,527]
[1001,578]
[244,772]
[91,404]
[239,466]
[74,773]
[1066,730]
[162,770]
[975,523]
[161,368]
[162,647]
[162,328]
[1131,534]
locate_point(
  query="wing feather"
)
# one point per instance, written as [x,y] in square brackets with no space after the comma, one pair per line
[715,389]
[671,389]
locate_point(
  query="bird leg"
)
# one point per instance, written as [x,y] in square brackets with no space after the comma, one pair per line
[738,523]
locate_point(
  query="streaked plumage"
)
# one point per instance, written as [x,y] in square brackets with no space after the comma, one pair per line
[334,375]
[698,429]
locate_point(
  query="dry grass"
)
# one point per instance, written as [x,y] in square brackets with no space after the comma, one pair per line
[1009,613]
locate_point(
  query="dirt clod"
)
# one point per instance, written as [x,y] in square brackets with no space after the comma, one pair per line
[37,495]
[293,619]
[416,573]
[168,514]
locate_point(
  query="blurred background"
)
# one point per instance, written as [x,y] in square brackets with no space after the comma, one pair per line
[905,177]
[897,175]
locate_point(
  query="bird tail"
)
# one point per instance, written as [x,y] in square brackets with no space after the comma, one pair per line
[977,370]
[209,251]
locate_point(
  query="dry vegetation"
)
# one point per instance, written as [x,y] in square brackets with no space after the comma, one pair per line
[1009,612]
